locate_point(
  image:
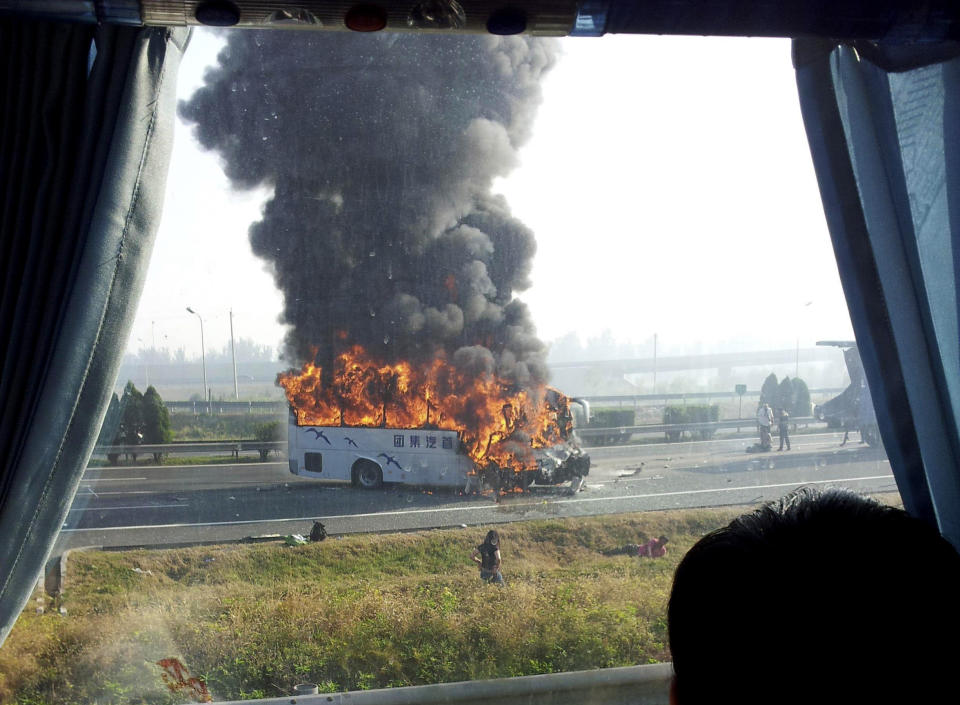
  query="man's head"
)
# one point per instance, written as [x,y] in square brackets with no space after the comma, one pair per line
[816,598]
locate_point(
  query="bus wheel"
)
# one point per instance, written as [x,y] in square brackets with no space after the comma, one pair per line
[367,474]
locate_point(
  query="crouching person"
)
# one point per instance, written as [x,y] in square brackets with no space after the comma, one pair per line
[817,598]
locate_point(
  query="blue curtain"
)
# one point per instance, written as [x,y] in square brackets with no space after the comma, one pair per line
[883,125]
[85,140]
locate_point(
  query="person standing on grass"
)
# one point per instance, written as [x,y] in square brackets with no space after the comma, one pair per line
[487,557]
[654,548]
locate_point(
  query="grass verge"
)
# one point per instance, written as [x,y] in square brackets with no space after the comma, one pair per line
[362,611]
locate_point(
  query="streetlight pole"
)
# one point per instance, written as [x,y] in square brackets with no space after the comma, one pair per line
[796,372]
[203,359]
[146,363]
[654,363]
[806,310]
[233,352]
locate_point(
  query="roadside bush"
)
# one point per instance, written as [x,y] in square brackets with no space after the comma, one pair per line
[156,421]
[770,391]
[127,419]
[204,427]
[785,395]
[267,432]
[790,394]
[610,418]
[691,413]
[801,399]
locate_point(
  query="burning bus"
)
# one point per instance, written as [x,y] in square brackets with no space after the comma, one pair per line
[371,423]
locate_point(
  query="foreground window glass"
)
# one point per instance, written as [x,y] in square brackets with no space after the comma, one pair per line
[538,287]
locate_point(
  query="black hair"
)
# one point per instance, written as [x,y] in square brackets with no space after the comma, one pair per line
[492,539]
[816,598]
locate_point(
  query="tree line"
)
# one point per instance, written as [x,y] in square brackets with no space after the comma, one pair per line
[248,350]
[790,394]
[135,418]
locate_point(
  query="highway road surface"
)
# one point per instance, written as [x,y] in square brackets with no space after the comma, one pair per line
[152,506]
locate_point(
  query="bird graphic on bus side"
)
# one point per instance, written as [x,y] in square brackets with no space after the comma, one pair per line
[390,460]
[319,435]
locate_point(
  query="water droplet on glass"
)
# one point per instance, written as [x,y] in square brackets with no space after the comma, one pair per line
[386,339]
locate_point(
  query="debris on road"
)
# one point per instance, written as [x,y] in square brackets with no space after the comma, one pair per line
[635,471]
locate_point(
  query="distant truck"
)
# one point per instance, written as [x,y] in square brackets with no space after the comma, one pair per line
[371,457]
[852,409]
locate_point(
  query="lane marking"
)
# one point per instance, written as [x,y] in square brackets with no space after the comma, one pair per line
[141,506]
[147,468]
[101,494]
[484,507]
[681,444]
[112,479]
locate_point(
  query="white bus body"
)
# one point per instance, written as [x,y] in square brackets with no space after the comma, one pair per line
[369,457]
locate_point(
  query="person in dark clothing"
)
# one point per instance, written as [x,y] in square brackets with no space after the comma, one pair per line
[847,427]
[487,557]
[783,421]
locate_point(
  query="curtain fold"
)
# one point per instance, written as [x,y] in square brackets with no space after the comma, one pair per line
[884,147]
[85,139]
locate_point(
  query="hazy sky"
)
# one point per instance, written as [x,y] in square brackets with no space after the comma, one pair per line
[668,182]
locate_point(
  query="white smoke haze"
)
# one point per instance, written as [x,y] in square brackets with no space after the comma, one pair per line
[381,151]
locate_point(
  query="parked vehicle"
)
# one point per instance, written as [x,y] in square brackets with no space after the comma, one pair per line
[852,409]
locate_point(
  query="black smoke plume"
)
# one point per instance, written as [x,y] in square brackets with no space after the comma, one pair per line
[381,150]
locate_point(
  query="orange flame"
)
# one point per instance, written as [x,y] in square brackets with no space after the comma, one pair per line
[497,422]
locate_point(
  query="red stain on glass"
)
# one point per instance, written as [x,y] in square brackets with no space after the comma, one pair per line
[177,679]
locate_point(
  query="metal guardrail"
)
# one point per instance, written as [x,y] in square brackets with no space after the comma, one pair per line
[202,447]
[630,685]
[236,447]
[690,395]
[280,407]
[666,428]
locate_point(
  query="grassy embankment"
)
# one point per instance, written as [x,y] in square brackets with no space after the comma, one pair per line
[364,611]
